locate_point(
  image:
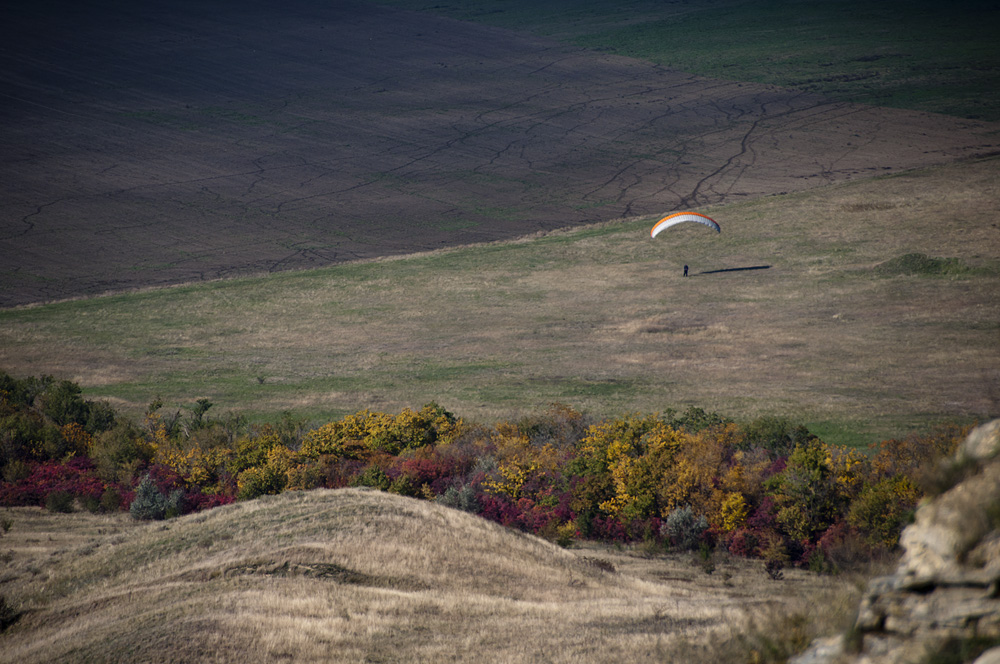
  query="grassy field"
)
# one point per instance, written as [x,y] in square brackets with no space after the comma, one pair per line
[804,307]
[929,56]
[357,575]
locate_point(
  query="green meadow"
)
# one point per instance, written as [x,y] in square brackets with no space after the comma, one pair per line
[864,310]
[929,56]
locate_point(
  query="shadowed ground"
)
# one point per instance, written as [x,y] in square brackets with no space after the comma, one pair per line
[168,142]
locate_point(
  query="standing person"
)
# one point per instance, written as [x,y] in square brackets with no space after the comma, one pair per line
[685,270]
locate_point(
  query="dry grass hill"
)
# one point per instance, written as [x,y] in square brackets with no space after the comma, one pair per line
[362,576]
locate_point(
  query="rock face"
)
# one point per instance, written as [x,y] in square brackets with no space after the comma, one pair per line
[945,593]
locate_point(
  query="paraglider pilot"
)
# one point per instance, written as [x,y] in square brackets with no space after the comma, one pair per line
[685,270]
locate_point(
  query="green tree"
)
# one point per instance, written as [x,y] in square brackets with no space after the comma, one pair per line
[806,492]
[63,403]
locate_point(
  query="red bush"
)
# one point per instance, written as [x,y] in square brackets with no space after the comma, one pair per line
[426,466]
[75,477]
[196,502]
[744,542]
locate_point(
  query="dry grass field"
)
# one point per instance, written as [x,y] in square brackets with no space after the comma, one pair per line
[363,576]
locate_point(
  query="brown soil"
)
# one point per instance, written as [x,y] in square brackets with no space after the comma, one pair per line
[158,143]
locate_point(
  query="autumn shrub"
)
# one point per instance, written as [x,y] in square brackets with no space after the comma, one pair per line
[270,478]
[684,529]
[174,498]
[59,501]
[332,440]
[733,512]
[111,500]
[327,471]
[411,429]
[774,434]
[499,509]
[693,419]
[560,426]
[851,469]
[588,492]
[634,451]
[764,516]
[251,451]
[20,393]
[743,472]
[544,511]
[607,529]
[120,452]
[197,467]
[373,476]
[44,419]
[680,479]
[774,551]
[382,432]
[75,477]
[90,504]
[62,402]
[701,472]
[427,466]
[805,492]
[521,467]
[565,534]
[743,542]
[15,470]
[916,455]
[166,478]
[196,502]
[25,435]
[839,548]
[883,509]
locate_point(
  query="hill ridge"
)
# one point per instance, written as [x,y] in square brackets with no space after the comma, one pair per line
[354,574]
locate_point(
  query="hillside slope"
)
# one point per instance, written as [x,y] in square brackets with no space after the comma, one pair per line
[813,306]
[355,575]
[207,140]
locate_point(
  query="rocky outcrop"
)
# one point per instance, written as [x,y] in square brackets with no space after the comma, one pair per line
[944,598]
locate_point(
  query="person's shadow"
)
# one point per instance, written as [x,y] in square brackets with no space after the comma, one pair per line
[733,269]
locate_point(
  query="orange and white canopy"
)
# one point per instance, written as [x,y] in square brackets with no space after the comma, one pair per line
[682,217]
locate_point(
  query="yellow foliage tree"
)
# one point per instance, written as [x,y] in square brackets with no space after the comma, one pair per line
[78,441]
[635,451]
[517,460]
[733,512]
[366,431]
[270,478]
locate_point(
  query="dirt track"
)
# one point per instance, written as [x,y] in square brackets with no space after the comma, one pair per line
[160,143]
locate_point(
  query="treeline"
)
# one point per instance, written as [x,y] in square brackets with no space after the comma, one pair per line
[691,480]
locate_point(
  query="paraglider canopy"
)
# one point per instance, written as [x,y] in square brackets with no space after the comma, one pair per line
[682,217]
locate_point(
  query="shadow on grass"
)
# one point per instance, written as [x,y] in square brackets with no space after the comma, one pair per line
[734,269]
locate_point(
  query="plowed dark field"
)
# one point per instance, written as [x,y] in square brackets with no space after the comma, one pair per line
[155,143]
